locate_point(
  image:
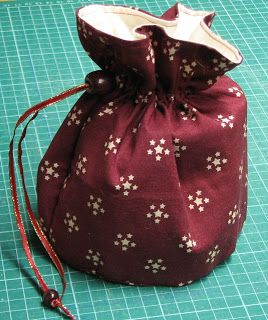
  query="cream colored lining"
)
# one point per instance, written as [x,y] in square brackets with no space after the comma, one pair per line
[121,22]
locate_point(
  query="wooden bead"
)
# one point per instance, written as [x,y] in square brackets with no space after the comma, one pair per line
[100,82]
[49,296]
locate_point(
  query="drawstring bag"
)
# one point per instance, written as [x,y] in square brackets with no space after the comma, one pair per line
[145,182]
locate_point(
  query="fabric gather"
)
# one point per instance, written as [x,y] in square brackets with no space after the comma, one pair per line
[177,49]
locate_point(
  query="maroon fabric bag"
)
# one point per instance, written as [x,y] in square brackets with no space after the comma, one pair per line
[145,182]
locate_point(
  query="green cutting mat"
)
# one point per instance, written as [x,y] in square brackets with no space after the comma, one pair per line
[40,55]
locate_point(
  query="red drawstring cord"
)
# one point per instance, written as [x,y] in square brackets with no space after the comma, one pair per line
[100,82]
[50,296]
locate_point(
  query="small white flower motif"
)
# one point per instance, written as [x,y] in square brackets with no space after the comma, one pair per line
[126,186]
[95,205]
[150,55]
[85,32]
[157,213]
[210,82]
[188,113]
[66,180]
[143,98]
[234,215]
[74,116]
[170,49]
[221,64]
[42,224]
[178,148]
[103,40]
[71,222]
[125,242]
[226,121]
[91,271]
[155,265]
[158,149]
[50,235]
[187,243]
[95,259]
[80,165]
[245,129]
[86,122]
[154,43]
[216,162]
[107,109]
[213,254]
[49,170]
[111,145]
[197,201]
[134,130]
[241,171]
[188,68]
[181,284]
[237,92]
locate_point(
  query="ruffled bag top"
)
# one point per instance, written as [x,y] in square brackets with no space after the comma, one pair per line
[177,50]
